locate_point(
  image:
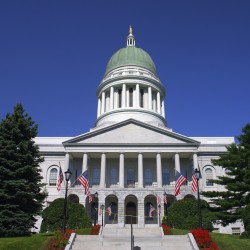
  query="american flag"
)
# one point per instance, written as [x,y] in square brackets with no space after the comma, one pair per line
[109,210]
[90,197]
[83,179]
[158,198]
[100,211]
[152,209]
[179,181]
[165,199]
[59,180]
[194,183]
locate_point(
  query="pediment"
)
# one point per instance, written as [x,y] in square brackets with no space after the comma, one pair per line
[131,132]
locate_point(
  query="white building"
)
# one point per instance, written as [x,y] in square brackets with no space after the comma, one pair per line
[131,154]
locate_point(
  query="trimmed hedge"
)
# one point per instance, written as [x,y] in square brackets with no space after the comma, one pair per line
[53,216]
[183,214]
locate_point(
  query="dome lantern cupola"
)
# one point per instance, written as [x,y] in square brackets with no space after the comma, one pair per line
[130,88]
[130,38]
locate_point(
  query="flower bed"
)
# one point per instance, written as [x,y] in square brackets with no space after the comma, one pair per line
[166,229]
[203,239]
[60,240]
[95,229]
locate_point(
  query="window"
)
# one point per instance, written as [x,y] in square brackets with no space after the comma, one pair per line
[142,95]
[113,176]
[236,230]
[148,177]
[119,98]
[53,177]
[131,177]
[165,177]
[209,177]
[96,176]
[130,97]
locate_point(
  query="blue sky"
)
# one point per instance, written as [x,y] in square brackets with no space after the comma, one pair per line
[53,55]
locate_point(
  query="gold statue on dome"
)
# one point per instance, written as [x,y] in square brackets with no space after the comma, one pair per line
[130,30]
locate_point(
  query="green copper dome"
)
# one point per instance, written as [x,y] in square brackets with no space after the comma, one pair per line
[131,56]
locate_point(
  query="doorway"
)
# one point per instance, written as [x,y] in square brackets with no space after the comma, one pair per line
[131,213]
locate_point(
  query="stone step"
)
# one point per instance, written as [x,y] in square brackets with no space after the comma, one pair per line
[119,238]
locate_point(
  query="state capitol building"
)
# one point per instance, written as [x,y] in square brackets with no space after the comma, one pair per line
[131,154]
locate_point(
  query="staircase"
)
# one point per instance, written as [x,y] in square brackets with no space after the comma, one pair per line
[120,239]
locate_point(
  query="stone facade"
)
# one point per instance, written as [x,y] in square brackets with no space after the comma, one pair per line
[131,155]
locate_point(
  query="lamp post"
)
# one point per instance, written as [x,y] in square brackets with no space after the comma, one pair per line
[67,177]
[102,208]
[159,214]
[96,207]
[198,176]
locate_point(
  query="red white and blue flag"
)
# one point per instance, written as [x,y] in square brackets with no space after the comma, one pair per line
[83,179]
[179,181]
[194,182]
[165,199]
[59,179]
[158,199]
[90,197]
[152,209]
[109,210]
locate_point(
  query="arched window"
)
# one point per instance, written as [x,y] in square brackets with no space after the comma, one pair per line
[148,177]
[53,177]
[209,177]
[113,176]
[165,177]
[96,176]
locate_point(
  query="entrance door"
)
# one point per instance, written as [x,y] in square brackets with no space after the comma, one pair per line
[131,213]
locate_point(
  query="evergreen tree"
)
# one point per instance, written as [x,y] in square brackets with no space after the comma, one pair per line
[21,195]
[230,204]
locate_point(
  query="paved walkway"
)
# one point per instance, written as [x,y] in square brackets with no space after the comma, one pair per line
[144,239]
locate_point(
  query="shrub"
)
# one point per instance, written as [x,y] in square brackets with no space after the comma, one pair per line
[53,216]
[95,229]
[203,239]
[183,214]
[60,240]
[166,229]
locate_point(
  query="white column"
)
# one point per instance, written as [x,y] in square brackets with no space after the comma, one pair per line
[107,105]
[84,162]
[121,171]
[111,98]
[127,98]
[123,95]
[103,170]
[195,161]
[163,109]
[137,95]
[99,107]
[103,102]
[150,98]
[158,103]
[177,162]
[159,170]
[140,170]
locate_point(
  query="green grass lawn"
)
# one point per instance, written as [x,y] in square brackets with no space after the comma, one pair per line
[230,242]
[34,242]
[223,241]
